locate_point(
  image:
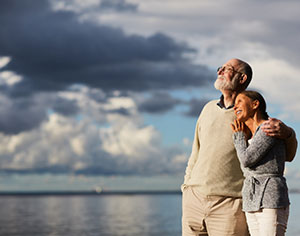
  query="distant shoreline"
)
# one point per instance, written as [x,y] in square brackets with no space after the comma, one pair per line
[95,193]
[86,193]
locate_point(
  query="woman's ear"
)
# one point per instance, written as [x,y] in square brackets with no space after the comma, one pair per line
[255,104]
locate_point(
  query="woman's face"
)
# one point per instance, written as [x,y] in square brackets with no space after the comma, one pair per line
[243,108]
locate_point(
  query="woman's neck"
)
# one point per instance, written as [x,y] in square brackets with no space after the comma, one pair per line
[254,121]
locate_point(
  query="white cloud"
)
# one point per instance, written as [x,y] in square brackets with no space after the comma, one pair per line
[279,82]
[129,140]
[115,144]
[74,5]
[9,78]
[78,146]
[4,61]
[57,142]
[181,158]
[120,102]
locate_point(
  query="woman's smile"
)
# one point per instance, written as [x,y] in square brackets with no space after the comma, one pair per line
[243,107]
[238,112]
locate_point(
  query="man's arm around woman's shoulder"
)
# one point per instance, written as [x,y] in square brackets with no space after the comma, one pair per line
[276,128]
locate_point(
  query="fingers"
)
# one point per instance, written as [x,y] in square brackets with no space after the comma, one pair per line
[272,127]
[272,122]
[237,126]
[271,134]
[232,127]
[276,128]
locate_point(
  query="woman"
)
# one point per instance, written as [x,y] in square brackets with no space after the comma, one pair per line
[265,193]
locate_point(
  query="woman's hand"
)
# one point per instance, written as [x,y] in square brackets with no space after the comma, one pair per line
[240,126]
[237,126]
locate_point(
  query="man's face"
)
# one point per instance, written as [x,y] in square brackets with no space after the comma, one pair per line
[228,77]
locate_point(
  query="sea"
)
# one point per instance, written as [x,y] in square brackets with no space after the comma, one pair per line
[119,214]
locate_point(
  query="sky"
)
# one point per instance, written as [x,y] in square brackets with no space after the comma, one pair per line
[106,93]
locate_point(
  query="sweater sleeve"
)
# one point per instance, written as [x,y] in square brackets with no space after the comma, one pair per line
[193,157]
[291,146]
[250,155]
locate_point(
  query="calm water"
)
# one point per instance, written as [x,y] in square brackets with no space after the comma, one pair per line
[110,215]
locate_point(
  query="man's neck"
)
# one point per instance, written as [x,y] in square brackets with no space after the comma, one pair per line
[229,97]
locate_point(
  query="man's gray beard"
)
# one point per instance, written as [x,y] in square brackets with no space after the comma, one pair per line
[226,85]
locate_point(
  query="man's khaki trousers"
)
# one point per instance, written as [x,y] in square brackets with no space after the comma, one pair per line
[212,215]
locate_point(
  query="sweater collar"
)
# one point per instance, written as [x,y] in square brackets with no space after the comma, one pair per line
[221,103]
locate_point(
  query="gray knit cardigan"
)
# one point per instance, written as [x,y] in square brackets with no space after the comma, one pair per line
[262,162]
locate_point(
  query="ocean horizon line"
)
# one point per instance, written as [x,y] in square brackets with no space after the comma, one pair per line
[95,192]
[91,192]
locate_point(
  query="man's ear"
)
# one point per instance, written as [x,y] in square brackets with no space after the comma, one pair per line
[243,79]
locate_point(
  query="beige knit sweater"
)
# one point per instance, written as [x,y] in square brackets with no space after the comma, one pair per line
[213,164]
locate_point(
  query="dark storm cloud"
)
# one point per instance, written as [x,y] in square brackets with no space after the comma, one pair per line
[52,51]
[195,107]
[20,115]
[158,103]
[26,113]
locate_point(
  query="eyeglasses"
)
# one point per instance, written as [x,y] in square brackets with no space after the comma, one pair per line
[227,69]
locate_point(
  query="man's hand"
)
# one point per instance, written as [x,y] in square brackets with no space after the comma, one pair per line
[276,128]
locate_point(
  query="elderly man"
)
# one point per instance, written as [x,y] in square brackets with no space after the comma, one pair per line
[211,202]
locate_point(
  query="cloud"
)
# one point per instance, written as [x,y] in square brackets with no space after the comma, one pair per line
[9,78]
[266,23]
[20,114]
[4,61]
[54,50]
[118,5]
[65,107]
[159,102]
[75,75]
[66,145]
[278,82]
[93,5]
[195,107]
[82,130]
